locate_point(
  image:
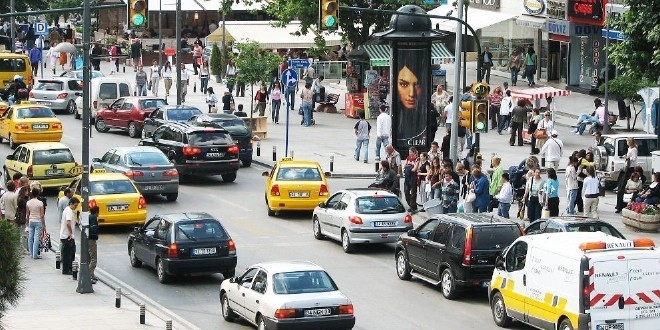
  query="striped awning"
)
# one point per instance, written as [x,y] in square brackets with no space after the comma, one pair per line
[539,93]
[379,55]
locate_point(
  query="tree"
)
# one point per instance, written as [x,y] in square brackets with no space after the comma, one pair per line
[11,273]
[254,65]
[216,61]
[626,87]
[21,6]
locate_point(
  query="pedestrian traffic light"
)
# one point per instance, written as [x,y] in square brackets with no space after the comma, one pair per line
[465,114]
[480,116]
[480,90]
[137,14]
[328,15]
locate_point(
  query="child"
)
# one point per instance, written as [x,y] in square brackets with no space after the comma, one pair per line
[505,197]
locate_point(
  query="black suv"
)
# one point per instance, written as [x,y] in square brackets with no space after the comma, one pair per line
[454,250]
[236,127]
[167,114]
[197,150]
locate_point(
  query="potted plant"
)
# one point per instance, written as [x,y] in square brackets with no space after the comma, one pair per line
[641,216]
[216,63]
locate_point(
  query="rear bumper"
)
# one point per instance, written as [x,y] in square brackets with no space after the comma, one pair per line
[292,204]
[53,104]
[26,137]
[474,276]
[123,219]
[209,168]
[339,322]
[158,187]
[200,265]
[377,235]
[53,182]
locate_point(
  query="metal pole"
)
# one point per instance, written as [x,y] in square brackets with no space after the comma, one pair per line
[465,35]
[160,34]
[223,49]
[85,280]
[43,61]
[178,52]
[453,150]
[606,127]
[12,23]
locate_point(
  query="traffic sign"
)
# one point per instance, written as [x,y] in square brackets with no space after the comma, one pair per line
[290,78]
[298,63]
[40,28]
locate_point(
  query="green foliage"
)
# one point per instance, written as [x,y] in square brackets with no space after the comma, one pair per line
[23,6]
[216,61]
[11,273]
[253,63]
[627,86]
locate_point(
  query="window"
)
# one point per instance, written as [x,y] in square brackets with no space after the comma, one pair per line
[426,229]
[35,112]
[12,65]
[75,85]
[124,90]
[260,281]
[516,257]
[458,237]
[114,159]
[111,187]
[49,85]
[553,227]
[158,133]
[157,114]
[182,114]
[199,231]
[53,156]
[151,225]
[247,277]
[298,174]
[494,237]
[379,204]
[537,227]
[303,282]
[146,158]
[17,155]
[343,202]
[168,134]
[152,104]
[645,146]
[204,138]
[107,156]
[226,123]
[108,91]
[163,229]
[442,232]
[332,201]
[126,106]
[23,156]
[177,136]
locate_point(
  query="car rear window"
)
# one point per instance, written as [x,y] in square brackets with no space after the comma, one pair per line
[207,138]
[230,122]
[110,187]
[52,156]
[298,174]
[146,158]
[49,86]
[199,230]
[303,282]
[149,104]
[35,112]
[182,114]
[379,204]
[12,65]
[108,91]
[594,227]
[494,237]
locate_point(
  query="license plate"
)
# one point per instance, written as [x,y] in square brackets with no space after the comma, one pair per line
[203,251]
[298,194]
[611,326]
[154,187]
[116,208]
[39,126]
[55,172]
[214,154]
[384,223]
[44,103]
[318,312]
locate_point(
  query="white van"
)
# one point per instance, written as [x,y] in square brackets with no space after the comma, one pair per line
[581,280]
[104,91]
[609,157]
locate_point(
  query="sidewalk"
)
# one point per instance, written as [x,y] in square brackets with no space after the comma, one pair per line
[50,301]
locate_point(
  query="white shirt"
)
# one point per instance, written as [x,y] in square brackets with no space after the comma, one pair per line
[448,115]
[384,125]
[553,148]
[167,72]
[571,178]
[632,155]
[591,186]
[506,193]
[67,215]
[155,71]
[547,124]
[184,74]
[507,106]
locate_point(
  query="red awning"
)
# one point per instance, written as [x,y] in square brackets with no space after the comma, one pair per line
[539,93]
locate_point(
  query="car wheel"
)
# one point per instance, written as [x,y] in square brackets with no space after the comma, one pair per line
[565,325]
[317,228]
[135,262]
[133,131]
[261,325]
[498,309]
[100,126]
[271,213]
[402,266]
[71,108]
[227,313]
[163,277]
[76,114]
[247,162]
[229,273]
[12,144]
[231,177]
[448,285]
[346,242]
[172,197]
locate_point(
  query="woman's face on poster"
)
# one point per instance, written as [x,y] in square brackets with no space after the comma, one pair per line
[409,88]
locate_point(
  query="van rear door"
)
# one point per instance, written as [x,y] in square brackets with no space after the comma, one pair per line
[608,291]
[644,300]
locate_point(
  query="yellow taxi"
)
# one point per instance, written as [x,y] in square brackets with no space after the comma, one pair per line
[295,185]
[3,107]
[119,200]
[50,163]
[29,122]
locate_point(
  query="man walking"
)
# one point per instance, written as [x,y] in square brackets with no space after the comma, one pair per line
[383,129]
[362,130]
[518,117]
[486,63]
[552,150]
[35,59]
[141,82]
[63,203]
[67,239]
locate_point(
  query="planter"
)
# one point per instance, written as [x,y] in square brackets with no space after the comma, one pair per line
[626,213]
[643,226]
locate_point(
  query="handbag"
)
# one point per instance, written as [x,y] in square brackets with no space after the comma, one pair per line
[545,213]
[541,133]
[601,189]
[214,109]
[471,197]
[45,241]
[232,105]
[627,197]
[521,212]
[149,85]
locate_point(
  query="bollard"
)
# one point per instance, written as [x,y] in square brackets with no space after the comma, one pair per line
[291,154]
[142,312]
[542,161]
[377,165]
[117,297]
[258,148]
[168,325]
[124,69]
[58,259]
[74,269]
[332,163]
[195,87]
[274,154]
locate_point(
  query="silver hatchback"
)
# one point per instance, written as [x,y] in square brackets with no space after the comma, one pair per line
[148,167]
[57,93]
[357,216]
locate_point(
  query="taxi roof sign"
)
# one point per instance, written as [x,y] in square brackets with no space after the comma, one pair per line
[286,159]
[98,170]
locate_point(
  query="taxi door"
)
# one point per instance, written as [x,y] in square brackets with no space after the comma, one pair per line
[18,162]
[5,123]
[513,282]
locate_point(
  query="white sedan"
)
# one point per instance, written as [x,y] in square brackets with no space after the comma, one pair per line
[286,295]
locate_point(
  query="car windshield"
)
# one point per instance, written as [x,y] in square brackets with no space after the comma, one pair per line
[298,174]
[494,237]
[146,158]
[49,86]
[379,204]
[52,156]
[226,123]
[594,227]
[182,114]
[110,187]
[152,104]
[35,112]
[303,282]
[207,138]
[200,230]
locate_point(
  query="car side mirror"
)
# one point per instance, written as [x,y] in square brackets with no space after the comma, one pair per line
[232,280]
[328,174]
[10,157]
[322,205]
[499,262]
[266,173]
[412,233]
[62,188]
[136,229]
[96,160]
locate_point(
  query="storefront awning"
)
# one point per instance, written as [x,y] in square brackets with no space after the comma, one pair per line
[533,22]
[379,55]
[216,37]
[539,93]
[271,37]
[201,5]
[476,18]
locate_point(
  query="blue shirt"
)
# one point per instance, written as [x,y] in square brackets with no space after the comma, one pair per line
[552,188]
[481,190]
[35,55]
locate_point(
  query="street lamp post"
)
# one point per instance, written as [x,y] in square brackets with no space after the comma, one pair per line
[178,52]
[465,33]
[160,33]
[224,31]
[606,127]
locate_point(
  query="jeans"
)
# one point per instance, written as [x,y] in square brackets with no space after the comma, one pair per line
[504,122]
[203,84]
[275,110]
[92,256]
[503,210]
[230,83]
[290,97]
[381,140]
[410,192]
[307,113]
[583,120]
[358,147]
[514,76]
[572,194]
[486,67]
[533,209]
[68,253]
[34,238]
[516,131]
[155,82]
[530,71]
[141,90]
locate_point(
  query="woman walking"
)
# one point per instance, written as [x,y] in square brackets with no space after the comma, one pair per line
[530,68]
[495,99]
[514,66]
[155,77]
[591,190]
[531,197]
[572,187]
[433,177]
[211,100]
[204,73]
[552,192]
[37,223]
[230,75]
[262,100]
[531,128]
[276,97]
[167,77]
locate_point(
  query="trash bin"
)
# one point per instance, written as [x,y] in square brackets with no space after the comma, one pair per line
[433,206]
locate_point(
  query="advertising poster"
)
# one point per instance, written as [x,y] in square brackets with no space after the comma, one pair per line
[411,86]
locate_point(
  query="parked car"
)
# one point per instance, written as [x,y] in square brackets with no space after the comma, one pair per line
[29,122]
[197,150]
[51,163]
[183,243]
[104,90]
[295,185]
[59,93]
[571,224]
[286,295]
[148,167]
[127,113]
[167,113]
[360,216]
[609,160]
[238,130]
[454,250]
[78,74]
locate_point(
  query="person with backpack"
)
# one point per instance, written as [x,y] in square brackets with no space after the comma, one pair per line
[92,237]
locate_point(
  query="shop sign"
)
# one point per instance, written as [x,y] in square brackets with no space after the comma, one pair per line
[534,7]
[557,9]
[579,30]
[558,27]
[485,4]
[587,11]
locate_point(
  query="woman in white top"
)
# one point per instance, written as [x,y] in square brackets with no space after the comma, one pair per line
[440,99]
[230,74]
[591,190]
[547,124]
[167,76]
[35,214]
[631,155]
[155,77]
[506,107]
[211,98]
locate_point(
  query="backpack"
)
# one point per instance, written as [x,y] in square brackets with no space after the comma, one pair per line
[93,227]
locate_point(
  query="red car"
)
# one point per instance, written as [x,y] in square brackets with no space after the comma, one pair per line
[127,113]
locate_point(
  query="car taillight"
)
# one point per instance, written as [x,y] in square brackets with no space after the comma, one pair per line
[142,203]
[133,174]
[285,313]
[354,219]
[346,309]
[62,96]
[191,151]
[92,203]
[30,171]
[31,95]
[323,191]
[22,126]
[232,247]
[56,125]
[172,251]
[171,173]
[275,190]
[95,104]
[407,219]
[467,251]
[232,149]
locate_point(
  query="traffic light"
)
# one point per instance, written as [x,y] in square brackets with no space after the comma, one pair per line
[465,114]
[480,116]
[328,15]
[480,90]
[137,14]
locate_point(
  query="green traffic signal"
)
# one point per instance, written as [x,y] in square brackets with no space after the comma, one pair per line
[138,19]
[330,21]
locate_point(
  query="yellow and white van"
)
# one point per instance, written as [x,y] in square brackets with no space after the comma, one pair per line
[583,280]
